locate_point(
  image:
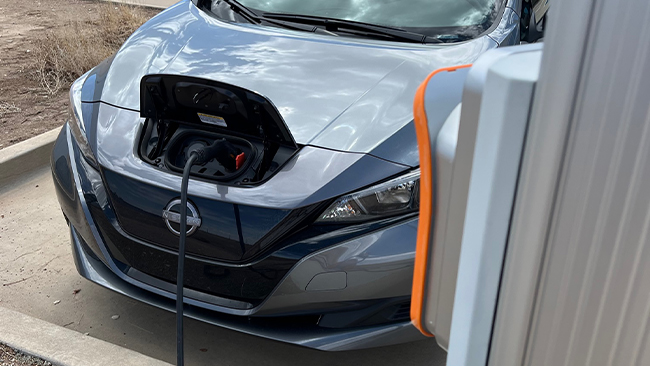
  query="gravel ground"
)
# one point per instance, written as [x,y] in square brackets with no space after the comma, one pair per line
[11,357]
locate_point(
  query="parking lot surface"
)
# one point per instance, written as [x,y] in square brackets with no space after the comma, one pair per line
[38,278]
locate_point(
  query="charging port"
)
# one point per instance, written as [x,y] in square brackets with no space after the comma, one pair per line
[223,167]
[250,139]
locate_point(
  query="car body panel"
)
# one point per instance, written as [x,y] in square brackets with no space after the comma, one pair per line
[314,337]
[338,85]
[376,253]
[507,31]
[398,148]
[377,263]
[87,204]
[312,175]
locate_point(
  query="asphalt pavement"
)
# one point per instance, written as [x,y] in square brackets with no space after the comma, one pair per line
[38,278]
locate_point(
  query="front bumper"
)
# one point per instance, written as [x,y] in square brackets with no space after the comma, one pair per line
[341,286]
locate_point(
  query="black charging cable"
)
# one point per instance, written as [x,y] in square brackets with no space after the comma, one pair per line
[180,356]
[198,154]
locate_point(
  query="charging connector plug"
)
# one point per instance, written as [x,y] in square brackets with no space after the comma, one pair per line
[227,154]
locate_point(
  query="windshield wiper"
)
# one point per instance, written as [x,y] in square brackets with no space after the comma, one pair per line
[252,17]
[333,25]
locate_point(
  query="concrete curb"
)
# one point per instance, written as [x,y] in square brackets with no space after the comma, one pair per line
[26,156]
[62,346]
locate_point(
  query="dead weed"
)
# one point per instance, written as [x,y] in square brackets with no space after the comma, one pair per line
[68,52]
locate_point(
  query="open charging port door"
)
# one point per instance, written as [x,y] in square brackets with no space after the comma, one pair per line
[181,111]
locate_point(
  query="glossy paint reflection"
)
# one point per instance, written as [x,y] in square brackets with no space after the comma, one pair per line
[313,174]
[313,80]
[227,232]
[381,262]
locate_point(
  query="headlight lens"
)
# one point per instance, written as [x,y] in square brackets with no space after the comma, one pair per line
[77,126]
[395,197]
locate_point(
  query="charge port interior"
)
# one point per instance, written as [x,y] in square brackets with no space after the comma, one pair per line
[181,112]
[169,153]
[222,168]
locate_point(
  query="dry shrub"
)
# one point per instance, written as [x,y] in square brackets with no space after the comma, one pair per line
[118,22]
[68,52]
[7,108]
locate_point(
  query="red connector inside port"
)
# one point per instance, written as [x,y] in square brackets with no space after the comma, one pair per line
[240,160]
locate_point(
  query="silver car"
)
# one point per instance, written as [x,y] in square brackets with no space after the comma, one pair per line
[302,226]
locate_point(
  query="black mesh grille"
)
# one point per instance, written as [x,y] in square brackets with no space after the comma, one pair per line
[402,311]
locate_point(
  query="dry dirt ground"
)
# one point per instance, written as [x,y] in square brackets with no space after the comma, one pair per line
[26,108]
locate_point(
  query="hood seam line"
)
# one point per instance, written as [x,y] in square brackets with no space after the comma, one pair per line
[353,103]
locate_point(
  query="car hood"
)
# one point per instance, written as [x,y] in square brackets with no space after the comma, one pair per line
[334,92]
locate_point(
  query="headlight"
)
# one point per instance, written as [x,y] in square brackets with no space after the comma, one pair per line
[395,197]
[76,123]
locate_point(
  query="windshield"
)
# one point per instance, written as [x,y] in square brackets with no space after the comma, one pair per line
[406,14]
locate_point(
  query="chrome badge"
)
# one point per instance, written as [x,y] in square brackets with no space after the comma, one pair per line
[171,215]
